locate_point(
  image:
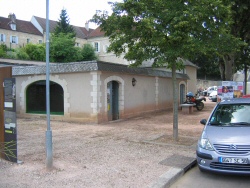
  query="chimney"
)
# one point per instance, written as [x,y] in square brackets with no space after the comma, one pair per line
[12,17]
[87,25]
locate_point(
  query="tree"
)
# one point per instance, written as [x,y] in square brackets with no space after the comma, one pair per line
[165,31]
[241,28]
[88,53]
[207,67]
[36,51]
[63,25]
[62,48]
[232,60]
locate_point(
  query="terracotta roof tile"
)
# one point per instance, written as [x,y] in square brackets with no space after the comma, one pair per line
[96,33]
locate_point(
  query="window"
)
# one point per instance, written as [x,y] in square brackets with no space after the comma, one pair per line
[2,38]
[97,46]
[28,41]
[14,39]
[77,44]
[13,26]
[40,41]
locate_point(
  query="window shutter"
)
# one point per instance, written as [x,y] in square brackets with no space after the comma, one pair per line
[99,47]
[10,39]
[16,40]
[3,38]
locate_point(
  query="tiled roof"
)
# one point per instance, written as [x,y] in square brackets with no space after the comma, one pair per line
[81,32]
[21,26]
[85,31]
[96,33]
[28,27]
[91,66]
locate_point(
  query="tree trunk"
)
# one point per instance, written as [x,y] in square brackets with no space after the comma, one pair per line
[229,67]
[175,104]
[222,69]
[245,78]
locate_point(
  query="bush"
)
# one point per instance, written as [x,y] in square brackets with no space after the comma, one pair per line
[21,54]
[2,53]
[3,50]
[36,52]
[88,53]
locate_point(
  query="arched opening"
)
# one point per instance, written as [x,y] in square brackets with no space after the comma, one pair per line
[36,98]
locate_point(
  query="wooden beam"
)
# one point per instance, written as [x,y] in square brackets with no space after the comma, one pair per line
[5,72]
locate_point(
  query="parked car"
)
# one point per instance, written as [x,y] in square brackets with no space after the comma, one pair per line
[213,96]
[224,145]
[209,90]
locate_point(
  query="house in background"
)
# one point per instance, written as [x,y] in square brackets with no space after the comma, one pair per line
[81,32]
[17,33]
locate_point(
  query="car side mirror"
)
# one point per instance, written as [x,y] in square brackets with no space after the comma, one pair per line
[203,121]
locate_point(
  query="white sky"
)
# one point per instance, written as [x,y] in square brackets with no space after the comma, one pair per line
[79,11]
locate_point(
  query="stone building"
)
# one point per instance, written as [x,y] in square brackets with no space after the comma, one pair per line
[96,91]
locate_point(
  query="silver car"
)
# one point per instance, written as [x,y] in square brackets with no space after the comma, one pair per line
[224,145]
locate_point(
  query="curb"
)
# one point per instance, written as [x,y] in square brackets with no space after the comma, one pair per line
[171,176]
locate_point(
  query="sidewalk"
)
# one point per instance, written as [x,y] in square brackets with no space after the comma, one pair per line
[137,152]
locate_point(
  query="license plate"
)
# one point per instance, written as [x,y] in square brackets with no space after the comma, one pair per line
[233,160]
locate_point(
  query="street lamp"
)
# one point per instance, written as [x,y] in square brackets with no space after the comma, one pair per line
[49,160]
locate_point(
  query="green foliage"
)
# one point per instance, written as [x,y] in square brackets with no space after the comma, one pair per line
[3,47]
[164,30]
[21,54]
[3,50]
[78,54]
[88,53]
[241,29]
[11,54]
[208,67]
[62,48]
[2,53]
[63,25]
[36,52]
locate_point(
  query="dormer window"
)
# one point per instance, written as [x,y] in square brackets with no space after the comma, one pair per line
[13,26]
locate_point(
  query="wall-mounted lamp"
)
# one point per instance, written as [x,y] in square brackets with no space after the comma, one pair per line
[133,81]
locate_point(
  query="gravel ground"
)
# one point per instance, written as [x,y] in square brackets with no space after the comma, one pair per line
[119,154]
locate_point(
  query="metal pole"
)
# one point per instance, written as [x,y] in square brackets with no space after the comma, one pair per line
[49,160]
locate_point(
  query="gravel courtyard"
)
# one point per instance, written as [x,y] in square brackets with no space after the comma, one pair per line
[119,154]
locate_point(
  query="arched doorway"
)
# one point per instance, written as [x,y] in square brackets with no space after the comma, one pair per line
[182,93]
[36,98]
[113,100]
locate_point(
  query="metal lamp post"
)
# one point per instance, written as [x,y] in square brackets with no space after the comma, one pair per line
[49,160]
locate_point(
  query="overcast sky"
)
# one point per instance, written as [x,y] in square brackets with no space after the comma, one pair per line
[79,11]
